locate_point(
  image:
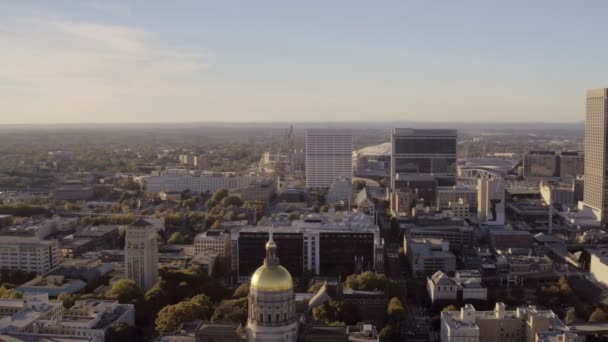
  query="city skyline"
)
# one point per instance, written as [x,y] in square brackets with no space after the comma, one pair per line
[113,62]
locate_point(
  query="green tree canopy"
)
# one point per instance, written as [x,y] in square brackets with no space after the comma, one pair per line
[231,310]
[241,291]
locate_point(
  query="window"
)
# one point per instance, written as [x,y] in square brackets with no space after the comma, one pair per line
[269,318]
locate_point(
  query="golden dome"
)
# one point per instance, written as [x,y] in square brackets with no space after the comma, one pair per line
[273,278]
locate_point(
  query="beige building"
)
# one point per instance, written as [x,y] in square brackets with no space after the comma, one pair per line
[595,152]
[523,324]
[213,240]
[29,254]
[141,254]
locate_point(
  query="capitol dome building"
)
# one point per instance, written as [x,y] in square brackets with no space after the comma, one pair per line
[272,311]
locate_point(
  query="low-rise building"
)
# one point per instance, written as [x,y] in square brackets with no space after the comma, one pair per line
[341,191]
[213,240]
[465,286]
[503,239]
[73,191]
[427,256]
[53,285]
[521,324]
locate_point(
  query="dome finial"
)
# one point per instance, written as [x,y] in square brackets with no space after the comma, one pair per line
[271,251]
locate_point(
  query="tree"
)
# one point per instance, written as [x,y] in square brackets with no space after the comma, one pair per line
[176,238]
[204,306]
[123,332]
[219,195]
[598,316]
[171,317]
[231,311]
[231,201]
[126,292]
[241,291]
[67,299]
[388,333]
[395,310]
[450,308]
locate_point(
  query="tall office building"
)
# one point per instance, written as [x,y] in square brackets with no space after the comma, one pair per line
[571,164]
[141,254]
[422,159]
[596,186]
[329,156]
[541,164]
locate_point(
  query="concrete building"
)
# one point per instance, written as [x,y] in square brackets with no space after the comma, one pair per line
[341,191]
[427,256]
[571,164]
[213,240]
[328,156]
[90,319]
[598,265]
[419,152]
[28,254]
[540,164]
[559,193]
[596,151]
[447,194]
[460,209]
[454,230]
[500,325]
[141,254]
[491,201]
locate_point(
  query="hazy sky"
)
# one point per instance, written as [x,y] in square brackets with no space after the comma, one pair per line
[105,61]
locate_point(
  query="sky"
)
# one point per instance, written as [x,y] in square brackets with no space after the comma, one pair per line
[104,61]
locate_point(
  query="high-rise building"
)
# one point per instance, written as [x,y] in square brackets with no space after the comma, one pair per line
[422,159]
[540,164]
[596,185]
[328,156]
[571,164]
[491,201]
[141,254]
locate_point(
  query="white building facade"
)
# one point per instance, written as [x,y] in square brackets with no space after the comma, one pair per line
[328,156]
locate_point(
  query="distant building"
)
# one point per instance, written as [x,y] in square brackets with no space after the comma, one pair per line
[427,256]
[341,191]
[28,254]
[259,190]
[213,240]
[372,161]
[52,285]
[201,183]
[453,230]
[461,209]
[541,164]
[559,193]
[328,156]
[596,152]
[73,191]
[571,164]
[447,194]
[420,152]
[521,324]
[491,201]
[141,254]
